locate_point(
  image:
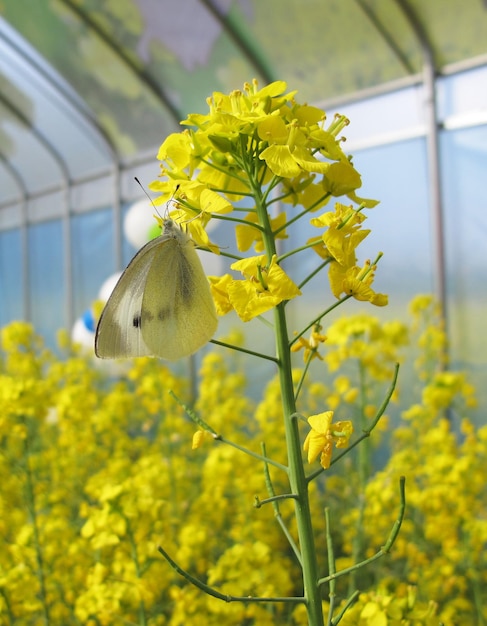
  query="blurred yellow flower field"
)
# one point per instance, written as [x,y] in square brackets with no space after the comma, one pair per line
[96,473]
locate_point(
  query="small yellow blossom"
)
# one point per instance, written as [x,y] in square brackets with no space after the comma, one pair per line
[343,232]
[319,440]
[18,336]
[421,303]
[199,438]
[265,286]
[310,345]
[355,281]
[219,290]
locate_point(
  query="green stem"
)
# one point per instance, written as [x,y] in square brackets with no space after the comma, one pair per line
[225,170]
[363,471]
[316,271]
[260,355]
[318,319]
[237,220]
[299,386]
[386,548]
[300,215]
[31,507]
[331,566]
[345,607]
[297,477]
[251,453]
[194,417]
[273,499]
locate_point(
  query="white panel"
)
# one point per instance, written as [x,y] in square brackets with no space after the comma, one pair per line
[11,217]
[47,207]
[93,194]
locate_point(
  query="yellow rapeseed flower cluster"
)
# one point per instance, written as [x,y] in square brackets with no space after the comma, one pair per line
[262,145]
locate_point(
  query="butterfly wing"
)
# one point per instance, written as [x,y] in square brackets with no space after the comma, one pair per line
[161,305]
[118,332]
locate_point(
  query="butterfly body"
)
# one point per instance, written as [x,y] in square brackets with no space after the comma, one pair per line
[162,304]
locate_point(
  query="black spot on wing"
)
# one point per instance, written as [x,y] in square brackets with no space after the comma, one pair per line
[137,319]
[164,313]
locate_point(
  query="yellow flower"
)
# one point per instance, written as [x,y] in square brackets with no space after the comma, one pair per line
[341,178]
[199,438]
[219,290]
[289,151]
[177,150]
[304,191]
[310,345]
[355,281]
[316,244]
[343,234]
[319,440]
[18,336]
[422,303]
[264,287]
[192,206]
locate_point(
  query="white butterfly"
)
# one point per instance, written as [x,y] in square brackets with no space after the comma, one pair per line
[162,304]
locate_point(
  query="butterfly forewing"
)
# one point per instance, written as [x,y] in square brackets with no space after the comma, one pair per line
[185,319]
[161,306]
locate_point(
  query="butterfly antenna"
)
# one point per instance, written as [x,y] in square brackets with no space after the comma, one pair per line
[152,201]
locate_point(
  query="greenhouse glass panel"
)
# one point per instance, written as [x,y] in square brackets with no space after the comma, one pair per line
[47,279]
[11,277]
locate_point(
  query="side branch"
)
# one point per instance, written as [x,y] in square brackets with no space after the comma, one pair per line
[223,596]
[260,355]
[200,422]
[385,548]
[274,500]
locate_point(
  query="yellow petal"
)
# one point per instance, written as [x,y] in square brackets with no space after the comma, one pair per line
[280,161]
[321,422]
[219,291]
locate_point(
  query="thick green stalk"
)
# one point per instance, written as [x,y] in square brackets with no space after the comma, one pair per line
[297,478]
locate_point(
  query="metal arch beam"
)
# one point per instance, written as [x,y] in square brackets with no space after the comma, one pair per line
[238,40]
[141,74]
[385,35]
[24,194]
[16,176]
[43,140]
[433,151]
